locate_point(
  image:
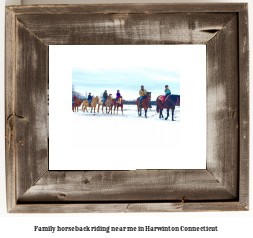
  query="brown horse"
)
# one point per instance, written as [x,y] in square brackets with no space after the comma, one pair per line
[119,103]
[93,104]
[76,105]
[169,103]
[144,104]
[108,103]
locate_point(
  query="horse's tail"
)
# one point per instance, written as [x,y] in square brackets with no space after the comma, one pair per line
[157,109]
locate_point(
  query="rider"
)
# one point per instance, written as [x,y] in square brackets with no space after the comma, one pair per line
[167,92]
[105,95]
[89,98]
[117,96]
[143,94]
[75,97]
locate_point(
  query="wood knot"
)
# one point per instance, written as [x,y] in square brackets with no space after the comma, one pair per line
[183,199]
[61,195]
[21,143]
[86,181]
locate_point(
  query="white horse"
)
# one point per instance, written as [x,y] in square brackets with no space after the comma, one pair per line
[108,103]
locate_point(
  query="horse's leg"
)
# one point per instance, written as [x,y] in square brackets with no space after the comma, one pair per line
[172,114]
[140,111]
[161,111]
[146,113]
[167,114]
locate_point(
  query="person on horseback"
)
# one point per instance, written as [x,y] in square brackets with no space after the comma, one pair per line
[143,94]
[167,92]
[75,97]
[89,99]
[105,95]
[117,96]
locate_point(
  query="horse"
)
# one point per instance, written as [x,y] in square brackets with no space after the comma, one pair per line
[119,103]
[76,105]
[169,103]
[108,103]
[93,104]
[144,104]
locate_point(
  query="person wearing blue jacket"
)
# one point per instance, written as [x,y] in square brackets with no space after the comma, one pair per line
[167,92]
[89,98]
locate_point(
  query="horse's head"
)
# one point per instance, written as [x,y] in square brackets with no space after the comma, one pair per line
[149,95]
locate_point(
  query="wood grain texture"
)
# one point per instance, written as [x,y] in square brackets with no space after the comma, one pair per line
[244,106]
[222,107]
[139,185]
[9,108]
[223,186]
[154,8]
[129,207]
[30,108]
[120,29]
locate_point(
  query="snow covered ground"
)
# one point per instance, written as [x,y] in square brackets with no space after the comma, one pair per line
[130,112]
[115,139]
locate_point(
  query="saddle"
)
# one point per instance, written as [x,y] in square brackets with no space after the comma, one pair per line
[162,97]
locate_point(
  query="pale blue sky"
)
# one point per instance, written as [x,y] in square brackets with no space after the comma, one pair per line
[128,80]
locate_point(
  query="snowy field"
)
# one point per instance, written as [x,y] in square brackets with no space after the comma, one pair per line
[129,112]
[110,137]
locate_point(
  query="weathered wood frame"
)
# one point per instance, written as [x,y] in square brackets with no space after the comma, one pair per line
[222,186]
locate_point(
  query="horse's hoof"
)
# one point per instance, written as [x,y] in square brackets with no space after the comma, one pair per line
[166,118]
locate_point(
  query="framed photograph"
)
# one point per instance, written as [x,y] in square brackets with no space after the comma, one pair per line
[184,147]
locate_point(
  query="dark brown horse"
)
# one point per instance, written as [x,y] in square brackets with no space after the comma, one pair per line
[119,103]
[145,102]
[76,105]
[169,103]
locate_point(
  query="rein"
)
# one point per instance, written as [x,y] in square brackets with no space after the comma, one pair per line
[178,101]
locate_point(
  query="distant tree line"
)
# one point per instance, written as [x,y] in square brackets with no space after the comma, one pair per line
[79,96]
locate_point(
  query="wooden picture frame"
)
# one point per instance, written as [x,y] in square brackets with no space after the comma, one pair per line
[222,186]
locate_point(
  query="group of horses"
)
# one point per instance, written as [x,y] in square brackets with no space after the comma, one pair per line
[168,103]
[109,103]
